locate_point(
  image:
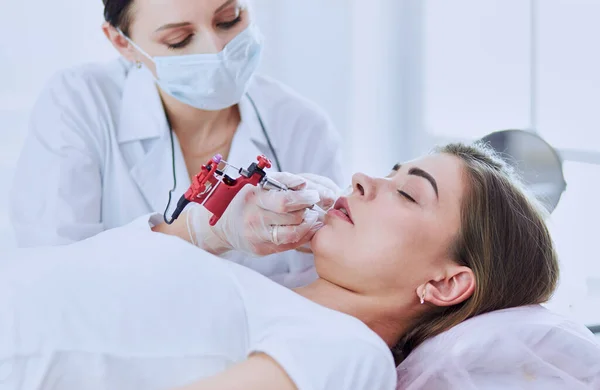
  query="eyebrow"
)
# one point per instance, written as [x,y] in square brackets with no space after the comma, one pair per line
[421,173]
[172,25]
[224,5]
[184,24]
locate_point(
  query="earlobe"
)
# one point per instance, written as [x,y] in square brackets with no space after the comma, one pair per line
[456,287]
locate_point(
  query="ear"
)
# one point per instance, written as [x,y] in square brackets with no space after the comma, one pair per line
[119,42]
[456,286]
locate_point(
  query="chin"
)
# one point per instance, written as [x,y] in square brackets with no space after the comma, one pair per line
[325,242]
[320,239]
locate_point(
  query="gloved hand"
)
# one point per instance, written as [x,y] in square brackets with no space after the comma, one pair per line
[329,193]
[327,189]
[259,222]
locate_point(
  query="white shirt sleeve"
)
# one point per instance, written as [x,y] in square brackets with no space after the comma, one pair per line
[56,196]
[315,364]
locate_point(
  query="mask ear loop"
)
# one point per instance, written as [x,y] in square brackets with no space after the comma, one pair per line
[136,47]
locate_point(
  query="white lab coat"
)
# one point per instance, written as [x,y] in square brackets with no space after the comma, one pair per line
[98,155]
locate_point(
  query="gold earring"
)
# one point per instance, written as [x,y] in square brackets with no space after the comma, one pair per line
[138,64]
[423,294]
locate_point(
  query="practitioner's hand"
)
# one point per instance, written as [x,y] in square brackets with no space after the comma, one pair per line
[327,189]
[260,222]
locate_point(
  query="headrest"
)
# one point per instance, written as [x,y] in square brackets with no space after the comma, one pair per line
[525,347]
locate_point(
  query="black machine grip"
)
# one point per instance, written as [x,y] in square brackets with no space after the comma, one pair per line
[178,210]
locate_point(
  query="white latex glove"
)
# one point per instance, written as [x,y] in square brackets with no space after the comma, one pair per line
[259,222]
[329,192]
[327,189]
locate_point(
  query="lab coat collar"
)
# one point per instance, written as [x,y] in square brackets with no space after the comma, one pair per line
[144,117]
[153,174]
[142,113]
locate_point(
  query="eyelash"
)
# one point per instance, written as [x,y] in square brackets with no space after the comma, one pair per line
[224,26]
[181,44]
[231,24]
[404,194]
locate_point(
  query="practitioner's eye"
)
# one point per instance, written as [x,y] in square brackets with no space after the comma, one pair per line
[181,44]
[229,18]
[229,24]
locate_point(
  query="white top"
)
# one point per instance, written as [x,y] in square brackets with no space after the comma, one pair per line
[520,348]
[98,155]
[132,309]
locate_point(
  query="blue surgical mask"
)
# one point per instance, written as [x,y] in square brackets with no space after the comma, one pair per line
[210,81]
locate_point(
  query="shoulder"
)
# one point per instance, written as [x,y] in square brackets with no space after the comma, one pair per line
[317,347]
[83,101]
[365,365]
[100,79]
[321,356]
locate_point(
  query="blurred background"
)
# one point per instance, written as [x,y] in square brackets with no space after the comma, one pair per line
[396,77]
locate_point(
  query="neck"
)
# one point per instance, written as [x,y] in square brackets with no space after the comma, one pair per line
[383,316]
[194,126]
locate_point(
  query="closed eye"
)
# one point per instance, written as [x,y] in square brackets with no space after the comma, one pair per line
[404,194]
[181,44]
[230,24]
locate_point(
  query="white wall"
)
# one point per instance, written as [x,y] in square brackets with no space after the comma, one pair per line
[36,44]
[347,55]
[476,66]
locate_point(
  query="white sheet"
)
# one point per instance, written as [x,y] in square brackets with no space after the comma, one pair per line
[520,348]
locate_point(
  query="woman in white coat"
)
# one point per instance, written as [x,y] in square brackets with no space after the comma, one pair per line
[108,142]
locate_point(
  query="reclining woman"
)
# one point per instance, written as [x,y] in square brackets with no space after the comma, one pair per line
[402,259]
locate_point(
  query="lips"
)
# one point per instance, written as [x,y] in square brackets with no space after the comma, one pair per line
[342,210]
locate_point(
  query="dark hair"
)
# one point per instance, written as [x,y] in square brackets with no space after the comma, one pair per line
[503,238]
[118,14]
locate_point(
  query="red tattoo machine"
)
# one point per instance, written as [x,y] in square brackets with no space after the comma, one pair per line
[214,189]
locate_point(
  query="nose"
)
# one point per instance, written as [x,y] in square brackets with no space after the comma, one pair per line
[210,43]
[364,185]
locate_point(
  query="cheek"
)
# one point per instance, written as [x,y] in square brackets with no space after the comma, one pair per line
[378,244]
[386,228]
[392,237]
